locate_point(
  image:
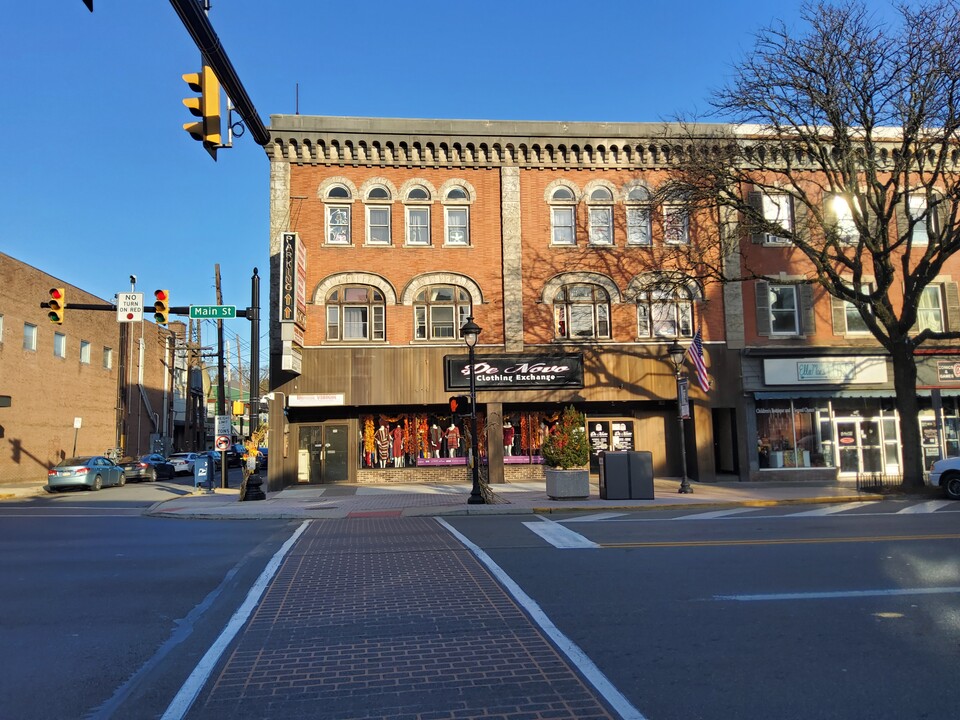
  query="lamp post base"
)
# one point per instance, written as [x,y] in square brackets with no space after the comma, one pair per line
[685,487]
[476,499]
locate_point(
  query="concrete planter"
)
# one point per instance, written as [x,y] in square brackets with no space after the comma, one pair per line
[567,484]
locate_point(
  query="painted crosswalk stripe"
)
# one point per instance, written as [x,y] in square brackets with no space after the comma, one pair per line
[559,536]
[717,514]
[925,507]
[596,517]
[830,509]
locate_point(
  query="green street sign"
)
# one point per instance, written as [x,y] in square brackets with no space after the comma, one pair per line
[213,312]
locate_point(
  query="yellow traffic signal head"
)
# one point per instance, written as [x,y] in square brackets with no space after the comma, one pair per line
[57,303]
[161,308]
[206,107]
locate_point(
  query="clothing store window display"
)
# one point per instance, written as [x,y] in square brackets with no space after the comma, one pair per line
[452,436]
[398,460]
[382,442]
[435,436]
[508,436]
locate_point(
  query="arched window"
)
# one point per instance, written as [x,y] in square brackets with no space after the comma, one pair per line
[338,215]
[355,313]
[665,312]
[378,216]
[638,217]
[457,216]
[581,312]
[600,215]
[440,311]
[418,216]
[563,217]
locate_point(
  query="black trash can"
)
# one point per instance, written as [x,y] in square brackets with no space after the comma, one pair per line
[626,475]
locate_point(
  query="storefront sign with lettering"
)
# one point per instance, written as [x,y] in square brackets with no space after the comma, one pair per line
[532,372]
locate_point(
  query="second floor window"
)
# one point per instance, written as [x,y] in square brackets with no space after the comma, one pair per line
[440,311]
[378,216]
[29,337]
[600,214]
[784,310]
[930,309]
[563,217]
[676,225]
[666,313]
[59,345]
[84,352]
[338,215]
[581,312]
[457,216]
[638,217]
[777,209]
[107,358]
[355,313]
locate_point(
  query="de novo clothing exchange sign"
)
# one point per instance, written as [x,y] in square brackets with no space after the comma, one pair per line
[513,372]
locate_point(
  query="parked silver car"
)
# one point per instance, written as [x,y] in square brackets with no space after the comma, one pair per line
[90,471]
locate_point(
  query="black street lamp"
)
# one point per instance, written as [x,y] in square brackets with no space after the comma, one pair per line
[470,332]
[676,354]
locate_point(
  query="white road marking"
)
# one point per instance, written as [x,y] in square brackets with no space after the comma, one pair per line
[840,594]
[593,518]
[180,705]
[830,509]
[559,536]
[716,514]
[925,507]
[569,648]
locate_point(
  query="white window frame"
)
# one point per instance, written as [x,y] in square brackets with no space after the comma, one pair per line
[568,312]
[424,322]
[421,229]
[600,225]
[676,225]
[845,223]
[850,311]
[664,315]
[930,315]
[449,212]
[777,209]
[780,312]
[919,202]
[84,352]
[638,226]
[107,358]
[59,345]
[341,222]
[563,222]
[377,208]
[30,337]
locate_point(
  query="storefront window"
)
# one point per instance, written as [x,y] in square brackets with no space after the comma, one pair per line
[790,434]
[409,440]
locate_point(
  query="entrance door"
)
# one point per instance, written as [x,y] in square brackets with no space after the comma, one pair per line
[323,453]
[859,446]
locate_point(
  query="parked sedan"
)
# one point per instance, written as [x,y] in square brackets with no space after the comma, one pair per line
[90,471]
[182,462]
[150,467]
[945,474]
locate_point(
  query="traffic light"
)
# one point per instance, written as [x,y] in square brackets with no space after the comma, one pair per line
[161,308]
[460,404]
[206,107]
[58,301]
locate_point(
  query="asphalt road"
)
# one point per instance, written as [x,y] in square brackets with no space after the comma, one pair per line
[759,615]
[754,613]
[104,613]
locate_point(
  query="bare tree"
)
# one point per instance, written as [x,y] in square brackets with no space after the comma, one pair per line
[843,142]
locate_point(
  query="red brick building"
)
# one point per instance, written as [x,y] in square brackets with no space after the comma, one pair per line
[386,235]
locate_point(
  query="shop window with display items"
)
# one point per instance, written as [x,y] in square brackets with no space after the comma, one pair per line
[524,434]
[416,439]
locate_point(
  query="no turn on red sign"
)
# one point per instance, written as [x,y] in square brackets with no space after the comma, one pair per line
[129,307]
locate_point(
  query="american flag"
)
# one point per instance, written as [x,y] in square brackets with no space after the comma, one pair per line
[696,354]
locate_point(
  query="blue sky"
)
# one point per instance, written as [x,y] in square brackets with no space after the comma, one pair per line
[98,180]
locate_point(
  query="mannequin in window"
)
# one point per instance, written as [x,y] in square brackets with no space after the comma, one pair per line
[453,439]
[508,433]
[435,436]
[382,441]
[398,447]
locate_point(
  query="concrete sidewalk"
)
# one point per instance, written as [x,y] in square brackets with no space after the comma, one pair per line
[395,500]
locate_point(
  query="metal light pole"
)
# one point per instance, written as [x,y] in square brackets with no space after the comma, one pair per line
[676,353]
[471,333]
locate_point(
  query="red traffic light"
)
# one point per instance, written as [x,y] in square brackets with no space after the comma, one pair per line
[160,294]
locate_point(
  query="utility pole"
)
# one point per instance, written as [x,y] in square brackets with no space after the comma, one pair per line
[221,387]
[253,315]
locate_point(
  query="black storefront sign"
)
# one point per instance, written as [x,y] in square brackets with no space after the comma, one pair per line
[514,372]
[948,371]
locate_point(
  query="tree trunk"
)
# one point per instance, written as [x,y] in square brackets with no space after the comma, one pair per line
[908,407]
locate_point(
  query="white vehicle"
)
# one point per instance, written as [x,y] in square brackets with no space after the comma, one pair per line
[182,462]
[946,474]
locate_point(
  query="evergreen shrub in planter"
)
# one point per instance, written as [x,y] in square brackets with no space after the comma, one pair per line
[566,452]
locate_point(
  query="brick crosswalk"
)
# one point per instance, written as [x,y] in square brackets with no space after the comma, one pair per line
[391,618]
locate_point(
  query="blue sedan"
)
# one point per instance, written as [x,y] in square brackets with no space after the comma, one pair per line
[91,471]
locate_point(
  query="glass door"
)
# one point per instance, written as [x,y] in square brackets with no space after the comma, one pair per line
[860,447]
[323,452]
